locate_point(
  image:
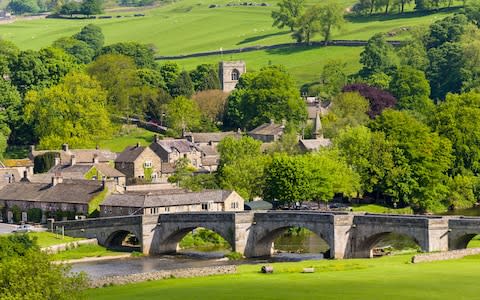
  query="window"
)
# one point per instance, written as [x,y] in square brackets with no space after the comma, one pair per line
[234,205]
[204,206]
[147,164]
[235,74]
[167,208]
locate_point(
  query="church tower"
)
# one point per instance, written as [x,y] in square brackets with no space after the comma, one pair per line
[230,72]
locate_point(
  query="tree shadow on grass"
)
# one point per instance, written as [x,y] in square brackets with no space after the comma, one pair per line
[261,37]
[287,50]
[398,16]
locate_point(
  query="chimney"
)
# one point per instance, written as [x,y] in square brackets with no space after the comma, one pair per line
[65,147]
[138,145]
[272,121]
[95,158]
[155,138]
[103,183]
[73,160]
[56,179]
[32,148]
[57,160]
[25,175]
[284,122]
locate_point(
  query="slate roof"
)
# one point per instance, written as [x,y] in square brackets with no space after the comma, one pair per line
[156,199]
[130,154]
[71,192]
[315,144]
[268,129]
[208,150]
[81,155]
[108,170]
[181,145]
[210,137]
[258,205]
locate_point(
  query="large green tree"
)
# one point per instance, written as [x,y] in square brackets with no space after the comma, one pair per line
[269,94]
[93,36]
[377,56]
[182,114]
[331,16]
[411,89]
[73,112]
[287,14]
[142,54]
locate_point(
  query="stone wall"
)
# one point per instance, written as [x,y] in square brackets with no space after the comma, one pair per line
[179,273]
[62,247]
[455,254]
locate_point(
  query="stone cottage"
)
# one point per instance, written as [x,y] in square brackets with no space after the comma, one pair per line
[170,201]
[268,132]
[171,150]
[139,163]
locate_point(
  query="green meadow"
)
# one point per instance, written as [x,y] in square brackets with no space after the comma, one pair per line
[189,26]
[383,278]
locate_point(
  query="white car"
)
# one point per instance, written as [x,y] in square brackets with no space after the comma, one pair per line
[24,228]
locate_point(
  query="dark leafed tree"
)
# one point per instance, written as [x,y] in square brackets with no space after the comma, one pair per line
[288,13]
[378,99]
[93,36]
[182,86]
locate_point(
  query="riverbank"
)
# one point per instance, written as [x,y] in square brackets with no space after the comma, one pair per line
[92,259]
[387,277]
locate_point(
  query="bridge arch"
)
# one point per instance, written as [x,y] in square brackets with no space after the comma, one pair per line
[265,244]
[116,239]
[460,241]
[366,246]
[172,241]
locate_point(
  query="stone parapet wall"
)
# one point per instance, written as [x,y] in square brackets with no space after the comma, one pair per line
[455,254]
[179,273]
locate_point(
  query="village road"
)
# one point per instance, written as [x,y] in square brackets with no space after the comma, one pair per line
[6,228]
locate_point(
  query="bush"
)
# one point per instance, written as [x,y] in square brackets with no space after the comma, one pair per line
[234,256]
[34,215]
[43,163]
[17,214]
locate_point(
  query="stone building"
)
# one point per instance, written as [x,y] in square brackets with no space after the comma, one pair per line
[230,72]
[268,132]
[170,151]
[80,155]
[139,163]
[318,141]
[57,196]
[170,201]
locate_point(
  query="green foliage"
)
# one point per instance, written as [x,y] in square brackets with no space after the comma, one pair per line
[259,97]
[83,251]
[72,112]
[93,36]
[82,52]
[412,90]
[307,25]
[17,214]
[26,273]
[331,16]
[377,56]
[202,238]
[34,215]
[288,13]
[170,72]
[20,7]
[183,86]
[461,192]
[182,114]
[91,7]
[141,54]
[94,204]
[333,78]
[44,162]
[205,77]
[234,256]
[200,182]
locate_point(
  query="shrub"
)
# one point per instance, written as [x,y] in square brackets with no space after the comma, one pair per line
[34,215]
[234,256]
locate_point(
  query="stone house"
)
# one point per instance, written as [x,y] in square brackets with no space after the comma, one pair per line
[139,163]
[170,201]
[318,141]
[171,150]
[66,154]
[90,171]
[21,165]
[210,138]
[268,132]
[67,196]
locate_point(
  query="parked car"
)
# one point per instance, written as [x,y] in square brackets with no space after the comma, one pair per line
[24,228]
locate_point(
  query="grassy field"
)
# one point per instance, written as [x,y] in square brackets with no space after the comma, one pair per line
[127,136]
[83,251]
[378,209]
[46,239]
[384,278]
[190,26]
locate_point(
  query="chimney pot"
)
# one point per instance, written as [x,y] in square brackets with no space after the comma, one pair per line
[32,148]
[73,160]
[65,147]
[56,179]
[95,158]
[155,138]
[138,145]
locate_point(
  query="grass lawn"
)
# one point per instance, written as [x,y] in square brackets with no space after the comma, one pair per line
[85,251]
[378,209]
[305,64]
[189,26]
[383,278]
[46,239]
[127,136]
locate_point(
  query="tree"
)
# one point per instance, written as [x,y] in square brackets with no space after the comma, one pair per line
[80,50]
[412,90]
[211,104]
[308,25]
[456,120]
[376,57]
[27,273]
[27,71]
[169,72]
[470,43]
[182,86]
[142,54]
[446,69]
[422,159]
[333,78]
[288,13]
[93,36]
[331,16]
[72,112]
[205,77]
[70,8]
[10,111]
[8,53]
[182,114]
[348,109]
[269,94]
[413,54]
[378,99]
[20,7]
[449,29]
[151,78]
[242,166]
[91,7]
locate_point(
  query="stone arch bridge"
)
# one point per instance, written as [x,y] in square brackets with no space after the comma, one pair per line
[253,233]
